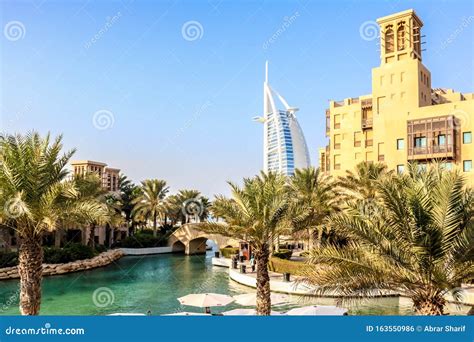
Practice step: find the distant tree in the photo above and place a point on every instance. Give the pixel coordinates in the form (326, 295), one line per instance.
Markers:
(151, 203)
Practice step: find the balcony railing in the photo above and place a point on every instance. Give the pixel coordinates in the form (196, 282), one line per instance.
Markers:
(434, 151)
(337, 146)
(369, 143)
(357, 143)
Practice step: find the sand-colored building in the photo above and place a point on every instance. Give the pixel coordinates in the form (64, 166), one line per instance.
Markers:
(108, 175)
(404, 119)
(110, 182)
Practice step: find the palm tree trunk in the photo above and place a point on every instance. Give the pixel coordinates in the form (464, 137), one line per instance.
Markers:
(57, 237)
(30, 269)
(262, 255)
(433, 306)
(154, 226)
(91, 242)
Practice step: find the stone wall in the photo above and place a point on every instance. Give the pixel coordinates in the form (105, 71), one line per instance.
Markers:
(102, 259)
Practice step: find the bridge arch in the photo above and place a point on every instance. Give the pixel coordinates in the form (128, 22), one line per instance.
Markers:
(194, 240)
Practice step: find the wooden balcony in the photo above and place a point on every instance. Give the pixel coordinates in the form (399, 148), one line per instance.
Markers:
(367, 123)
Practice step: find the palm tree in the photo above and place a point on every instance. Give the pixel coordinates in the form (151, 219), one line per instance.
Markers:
(90, 188)
(151, 203)
(186, 205)
(254, 213)
(312, 198)
(35, 197)
(361, 184)
(128, 192)
(418, 242)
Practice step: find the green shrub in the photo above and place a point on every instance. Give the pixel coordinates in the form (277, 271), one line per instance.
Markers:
(283, 254)
(229, 251)
(286, 266)
(53, 255)
(143, 240)
(100, 249)
(9, 259)
(69, 253)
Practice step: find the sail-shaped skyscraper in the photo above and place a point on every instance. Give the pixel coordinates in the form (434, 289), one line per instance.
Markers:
(284, 145)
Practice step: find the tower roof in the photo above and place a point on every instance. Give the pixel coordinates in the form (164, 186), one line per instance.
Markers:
(402, 14)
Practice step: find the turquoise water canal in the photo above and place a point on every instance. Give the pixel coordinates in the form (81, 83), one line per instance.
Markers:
(152, 283)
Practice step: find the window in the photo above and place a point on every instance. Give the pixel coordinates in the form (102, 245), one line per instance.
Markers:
(421, 167)
(441, 140)
(401, 36)
(357, 139)
(400, 168)
(337, 141)
(467, 137)
(416, 40)
(400, 144)
(337, 121)
(467, 165)
(337, 162)
(447, 166)
(420, 142)
(389, 40)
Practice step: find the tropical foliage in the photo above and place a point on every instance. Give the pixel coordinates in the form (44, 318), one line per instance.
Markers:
(312, 198)
(150, 204)
(417, 239)
(187, 206)
(36, 196)
(253, 213)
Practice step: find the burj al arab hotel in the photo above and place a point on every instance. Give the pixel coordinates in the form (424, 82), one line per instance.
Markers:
(284, 145)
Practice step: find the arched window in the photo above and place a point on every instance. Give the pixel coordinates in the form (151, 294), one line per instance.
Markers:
(401, 36)
(389, 40)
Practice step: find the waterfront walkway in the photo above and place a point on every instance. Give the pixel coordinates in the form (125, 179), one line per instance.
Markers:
(293, 287)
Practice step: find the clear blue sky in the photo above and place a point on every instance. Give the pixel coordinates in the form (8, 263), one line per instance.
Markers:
(182, 108)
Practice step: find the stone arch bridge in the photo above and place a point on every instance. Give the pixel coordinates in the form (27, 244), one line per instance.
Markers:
(190, 240)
